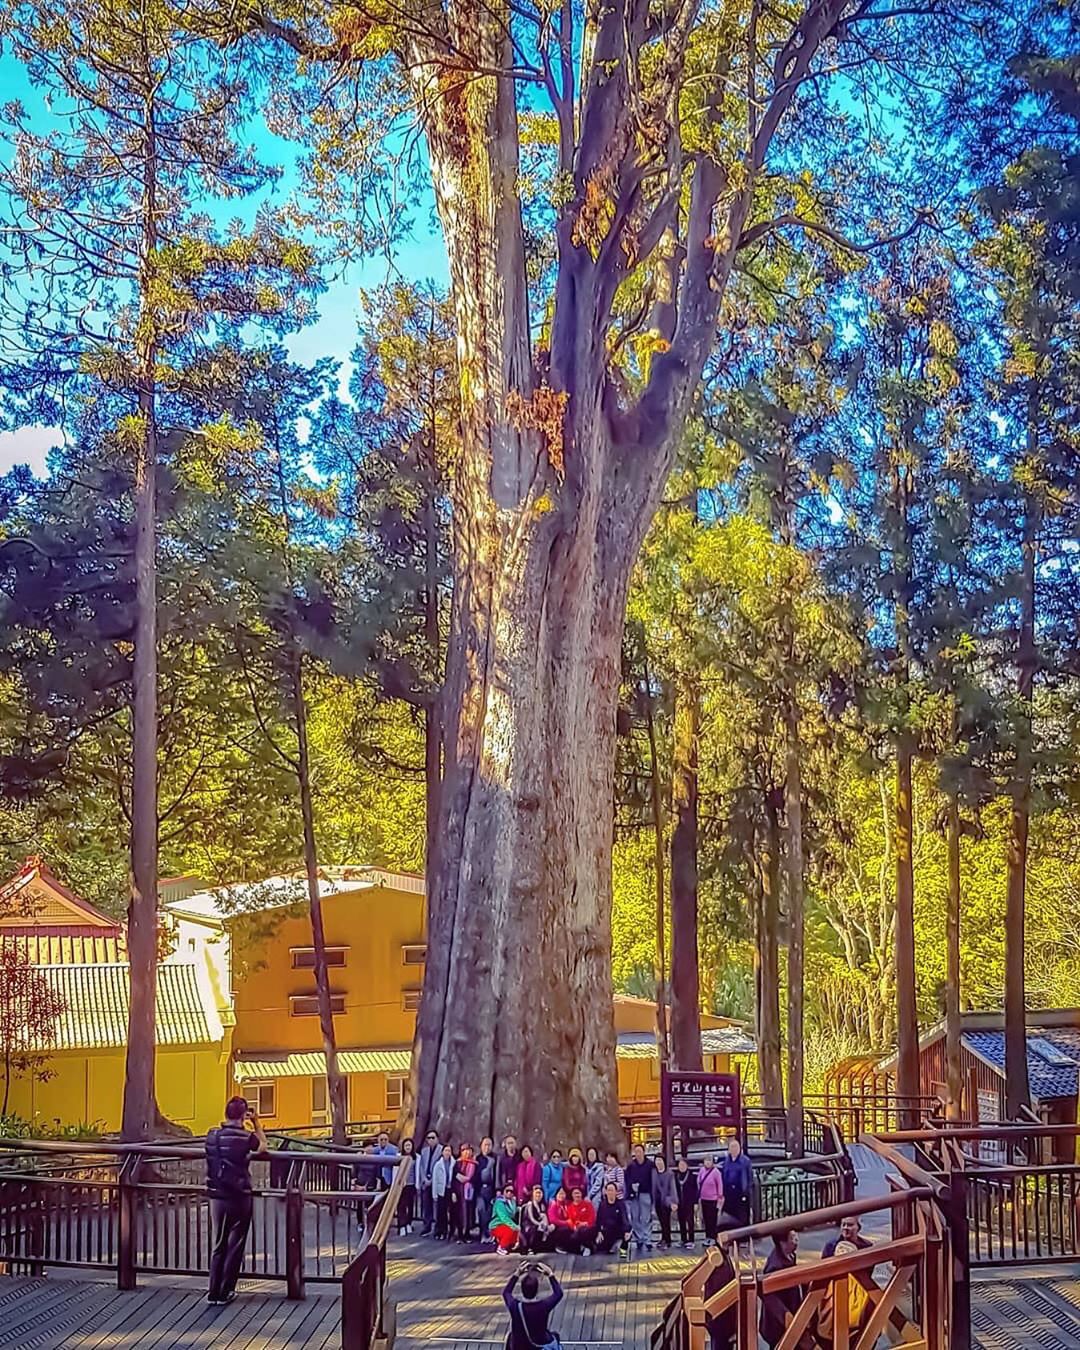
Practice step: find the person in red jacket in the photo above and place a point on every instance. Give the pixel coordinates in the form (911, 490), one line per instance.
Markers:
(582, 1213)
(561, 1235)
(574, 1175)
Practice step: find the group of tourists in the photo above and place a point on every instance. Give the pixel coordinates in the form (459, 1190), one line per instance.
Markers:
(524, 1200)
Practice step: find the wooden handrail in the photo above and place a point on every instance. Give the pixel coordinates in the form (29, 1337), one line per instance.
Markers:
(363, 1285)
(109, 1148)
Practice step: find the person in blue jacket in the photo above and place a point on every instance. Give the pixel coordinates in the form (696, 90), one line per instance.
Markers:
(738, 1178)
(552, 1175)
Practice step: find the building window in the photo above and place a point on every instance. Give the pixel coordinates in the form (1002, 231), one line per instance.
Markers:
(414, 953)
(395, 1091)
(307, 1005)
(303, 958)
(410, 1000)
(262, 1098)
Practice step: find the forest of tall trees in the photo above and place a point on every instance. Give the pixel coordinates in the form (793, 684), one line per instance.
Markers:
(687, 577)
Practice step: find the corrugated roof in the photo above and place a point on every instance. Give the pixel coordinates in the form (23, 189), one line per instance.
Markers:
(281, 891)
(312, 1063)
(714, 1041)
(96, 999)
(1047, 1080)
(66, 946)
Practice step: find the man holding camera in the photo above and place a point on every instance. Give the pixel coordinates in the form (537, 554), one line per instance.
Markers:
(529, 1310)
(229, 1150)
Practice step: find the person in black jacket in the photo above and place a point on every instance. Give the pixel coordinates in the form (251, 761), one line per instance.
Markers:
(778, 1307)
(686, 1197)
(612, 1222)
(229, 1150)
(484, 1179)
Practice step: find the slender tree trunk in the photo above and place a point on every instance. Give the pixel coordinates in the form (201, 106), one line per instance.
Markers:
(796, 919)
(768, 945)
(954, 1073)
(685, 965)
(907, 1018)
(7, 1082)
(433, 738)
(140, 1113)
(659, 875)
(1017, 1088)
(337, 1088)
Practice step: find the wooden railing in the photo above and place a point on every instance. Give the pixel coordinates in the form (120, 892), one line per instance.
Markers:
(135, 1209)
(366, 1311)
(720, 1301)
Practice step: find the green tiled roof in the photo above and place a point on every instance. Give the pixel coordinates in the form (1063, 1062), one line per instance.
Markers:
(96, 1006)
(312, 1063)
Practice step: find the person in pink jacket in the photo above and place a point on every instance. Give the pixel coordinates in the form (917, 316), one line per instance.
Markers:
(711, 1196)
(527, 1175)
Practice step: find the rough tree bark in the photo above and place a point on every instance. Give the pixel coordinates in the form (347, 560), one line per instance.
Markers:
(1017, 1087)
(140, 1113)
(685, 965)
(954, 1070)
(768, 962)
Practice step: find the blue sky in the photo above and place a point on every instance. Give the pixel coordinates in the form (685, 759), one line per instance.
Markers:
(418, 256)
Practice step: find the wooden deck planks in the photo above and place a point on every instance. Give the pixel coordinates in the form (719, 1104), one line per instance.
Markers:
(65, 1314)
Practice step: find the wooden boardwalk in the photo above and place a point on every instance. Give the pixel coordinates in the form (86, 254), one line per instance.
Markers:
(455, 1301)
(451, 1298)
(63, 1314)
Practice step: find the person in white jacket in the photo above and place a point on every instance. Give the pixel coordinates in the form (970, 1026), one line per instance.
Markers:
(442, 1181)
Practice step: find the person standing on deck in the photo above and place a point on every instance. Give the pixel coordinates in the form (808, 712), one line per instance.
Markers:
(425, 1170)
(552, 1175)
(686, 1193)
(595, 1170)
(385, 1149)
(484, 1180)
(665, 1198)
(710, 1185)
(639, 1197)
(738, 1179)
(508, 1162)
(229, 1150)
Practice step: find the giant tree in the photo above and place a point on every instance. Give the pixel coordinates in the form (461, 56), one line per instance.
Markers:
(661, 119)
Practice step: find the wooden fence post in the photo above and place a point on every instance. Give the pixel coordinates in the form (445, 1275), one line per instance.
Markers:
(960, 1322)
(294, 1240)
(128, 1218)
(36, 1230)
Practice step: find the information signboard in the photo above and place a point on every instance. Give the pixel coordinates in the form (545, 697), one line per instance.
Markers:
(701, 1101)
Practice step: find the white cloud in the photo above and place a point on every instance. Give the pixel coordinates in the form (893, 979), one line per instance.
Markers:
(28, 445)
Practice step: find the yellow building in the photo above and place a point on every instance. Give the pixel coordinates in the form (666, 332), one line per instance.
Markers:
(257, 938)
(79, 953)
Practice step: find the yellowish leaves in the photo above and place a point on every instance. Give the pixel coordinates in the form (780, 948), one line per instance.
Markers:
(544, 412)
(597, 211)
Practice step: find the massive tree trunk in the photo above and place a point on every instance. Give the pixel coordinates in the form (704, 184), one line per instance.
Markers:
(685, 966)
(907, 1017)
(770, 1071)
(335, 1079)
(954, 1072)
(1017, 1088)
(140, 1113)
